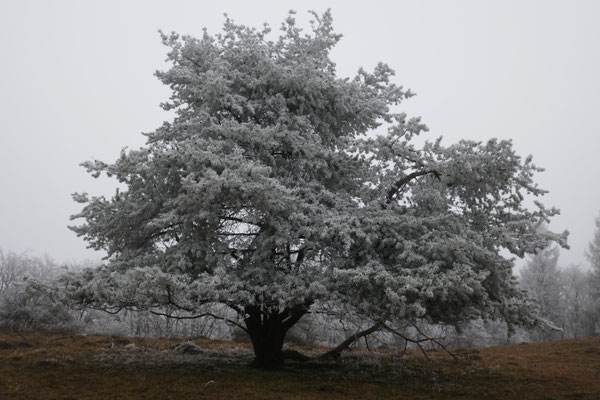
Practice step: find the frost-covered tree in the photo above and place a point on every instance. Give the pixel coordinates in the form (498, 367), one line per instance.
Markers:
(593, 256)
(542, 278)
(13, 268)
(579, 314)
(22, 310)
(271, 194)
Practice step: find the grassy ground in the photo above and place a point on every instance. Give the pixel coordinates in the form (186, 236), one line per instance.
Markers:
(38, 366)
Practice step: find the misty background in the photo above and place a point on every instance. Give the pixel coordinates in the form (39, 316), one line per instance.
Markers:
(77, 83)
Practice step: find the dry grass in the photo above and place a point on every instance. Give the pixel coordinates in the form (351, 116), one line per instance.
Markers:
(95, 367)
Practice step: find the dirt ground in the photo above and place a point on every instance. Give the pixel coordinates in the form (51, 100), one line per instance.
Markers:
(38, 366)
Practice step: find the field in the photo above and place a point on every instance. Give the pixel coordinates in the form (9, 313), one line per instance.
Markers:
(37, 366)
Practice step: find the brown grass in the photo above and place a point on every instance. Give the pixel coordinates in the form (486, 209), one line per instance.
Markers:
(41, 366)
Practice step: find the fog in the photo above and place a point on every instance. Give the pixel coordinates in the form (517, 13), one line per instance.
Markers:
(77, 83)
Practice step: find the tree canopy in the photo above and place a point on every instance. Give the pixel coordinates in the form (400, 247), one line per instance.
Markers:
(280, 189)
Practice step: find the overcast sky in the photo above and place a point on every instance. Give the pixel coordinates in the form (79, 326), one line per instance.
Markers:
(77, 83)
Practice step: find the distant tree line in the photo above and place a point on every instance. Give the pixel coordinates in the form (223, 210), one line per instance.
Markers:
(568, 297)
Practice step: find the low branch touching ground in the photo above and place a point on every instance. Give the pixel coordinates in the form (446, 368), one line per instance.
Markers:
(335, 352)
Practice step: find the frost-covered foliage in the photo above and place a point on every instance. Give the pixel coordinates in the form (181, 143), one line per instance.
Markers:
(542, 278)
(24, 307)
(593, 256)
(580, 307)
(270, 192)
(21, 310)
(15, 267)
(565, 297)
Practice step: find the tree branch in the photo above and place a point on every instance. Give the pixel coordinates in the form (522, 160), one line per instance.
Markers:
(238, 234)
(300, 257)
(206, 314)
(334, 353)
(418, 341)
(399, 184)
(240, 220)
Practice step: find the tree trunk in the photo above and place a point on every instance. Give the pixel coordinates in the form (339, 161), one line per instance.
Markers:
(267, 332)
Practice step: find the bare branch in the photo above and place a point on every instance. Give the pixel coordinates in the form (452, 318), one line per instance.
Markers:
(334, 353)
(418, 341)
(206, 314)
(238, 234)
(399, 184)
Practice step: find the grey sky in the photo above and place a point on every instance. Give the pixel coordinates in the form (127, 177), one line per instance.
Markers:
(77, 83)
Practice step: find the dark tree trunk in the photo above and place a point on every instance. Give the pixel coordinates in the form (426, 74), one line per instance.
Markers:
(267, 332)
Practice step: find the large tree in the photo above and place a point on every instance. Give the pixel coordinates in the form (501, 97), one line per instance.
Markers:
(280, 188)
